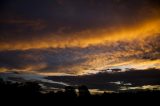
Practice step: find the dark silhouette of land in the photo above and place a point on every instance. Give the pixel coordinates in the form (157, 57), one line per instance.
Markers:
(33, 91)
(11, 90)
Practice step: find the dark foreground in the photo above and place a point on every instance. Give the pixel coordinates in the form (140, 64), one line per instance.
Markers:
(31, 91)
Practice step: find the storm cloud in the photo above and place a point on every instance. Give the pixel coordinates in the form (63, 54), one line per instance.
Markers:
(76, 37)
(60, 23)
(84, 60)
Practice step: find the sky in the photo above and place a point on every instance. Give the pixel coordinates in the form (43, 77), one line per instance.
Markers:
(61, 37)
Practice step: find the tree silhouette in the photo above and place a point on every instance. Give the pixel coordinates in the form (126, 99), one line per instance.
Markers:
(70, 91)
(83, 91)
(9, 90)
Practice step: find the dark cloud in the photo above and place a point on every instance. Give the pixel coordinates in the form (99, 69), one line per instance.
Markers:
(103, 81)
(71, 16)
(34, 60)
(48, 36)
(74, 60)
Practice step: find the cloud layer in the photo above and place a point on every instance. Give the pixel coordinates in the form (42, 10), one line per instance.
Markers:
(91, 59)
(60, 23)
(77, 37)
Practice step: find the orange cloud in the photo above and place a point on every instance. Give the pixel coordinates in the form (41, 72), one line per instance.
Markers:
(87, 37)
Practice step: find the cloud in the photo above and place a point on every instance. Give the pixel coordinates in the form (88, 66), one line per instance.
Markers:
(78, 36)
(92, 59)
(24, 22)
(48, 60)
(59, 24)
(19, 26)
(104, 81)
(79, 39)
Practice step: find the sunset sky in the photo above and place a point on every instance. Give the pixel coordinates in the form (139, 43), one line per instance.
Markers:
(77, 37)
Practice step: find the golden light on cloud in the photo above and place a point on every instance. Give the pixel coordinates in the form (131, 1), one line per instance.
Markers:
(123, 65)
(145, 87)
(3, 69)
(87, 38)
(107, 40)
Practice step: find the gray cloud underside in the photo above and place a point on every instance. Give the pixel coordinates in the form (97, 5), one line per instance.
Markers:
(55, 60)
